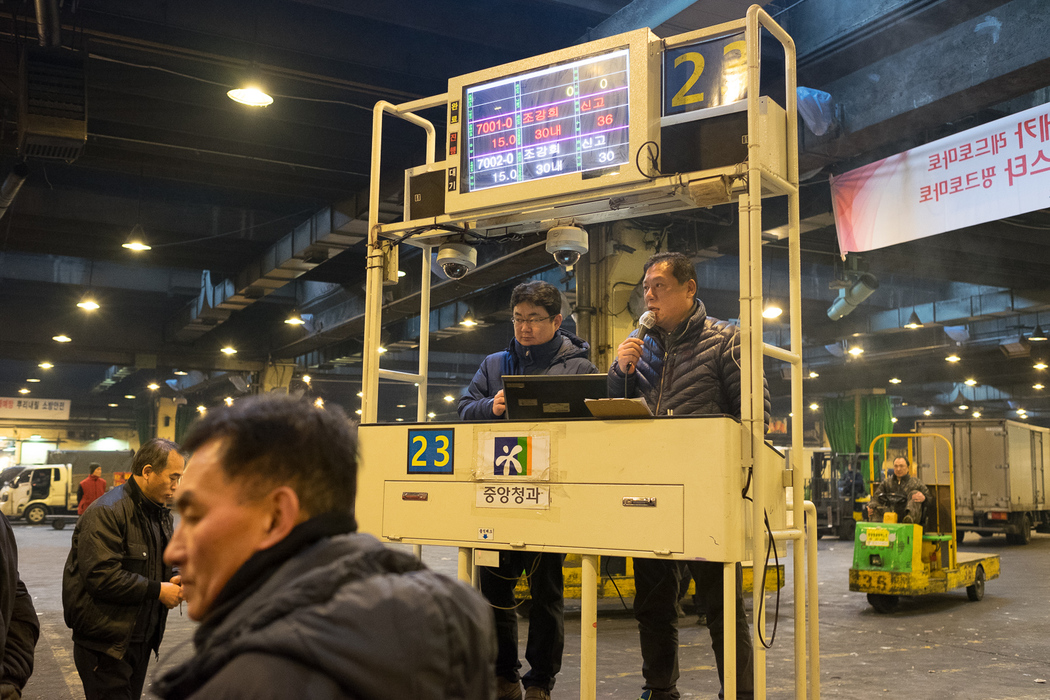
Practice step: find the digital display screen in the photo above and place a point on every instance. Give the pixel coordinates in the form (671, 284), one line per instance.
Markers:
(568, 118)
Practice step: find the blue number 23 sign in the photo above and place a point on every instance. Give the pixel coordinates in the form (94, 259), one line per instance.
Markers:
(430, 451)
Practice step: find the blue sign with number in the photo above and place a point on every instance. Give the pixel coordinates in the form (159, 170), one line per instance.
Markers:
(705, 74)
(431, 451)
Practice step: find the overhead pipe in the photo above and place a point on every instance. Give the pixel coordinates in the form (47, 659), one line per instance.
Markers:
(12, 184)
(48, 25)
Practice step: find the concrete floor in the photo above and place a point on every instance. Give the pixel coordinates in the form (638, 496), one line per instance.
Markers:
(936, 647)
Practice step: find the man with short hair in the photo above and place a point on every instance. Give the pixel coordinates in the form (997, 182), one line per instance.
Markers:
(116, 589)
(540, 346)
(899, 492)
(91, 488)
(292, 601)
(688, 364)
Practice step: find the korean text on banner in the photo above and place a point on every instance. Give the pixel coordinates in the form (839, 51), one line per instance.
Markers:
(983, 174)
(46, 409)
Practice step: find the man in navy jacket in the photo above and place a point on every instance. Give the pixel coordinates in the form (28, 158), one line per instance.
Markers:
(539, 347)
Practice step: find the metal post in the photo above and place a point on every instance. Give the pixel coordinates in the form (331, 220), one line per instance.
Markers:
(589, 628)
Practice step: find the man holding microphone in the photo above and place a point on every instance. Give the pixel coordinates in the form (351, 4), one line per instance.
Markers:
(687, 364)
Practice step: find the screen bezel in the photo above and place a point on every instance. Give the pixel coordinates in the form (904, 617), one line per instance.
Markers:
(643, 99)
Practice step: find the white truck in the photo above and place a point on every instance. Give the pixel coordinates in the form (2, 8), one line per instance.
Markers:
(1001, 476)
(41, 491)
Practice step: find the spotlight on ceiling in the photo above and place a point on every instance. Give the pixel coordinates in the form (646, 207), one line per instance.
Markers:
(137, 240)
(913, 321)
(772, 310)
(87, 304)
(1037, 335)
(849, 299)
(251, 96)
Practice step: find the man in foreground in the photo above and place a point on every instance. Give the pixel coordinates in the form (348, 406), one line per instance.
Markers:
(116, 589)
(540, 346)
(688, 364)
(293, 603)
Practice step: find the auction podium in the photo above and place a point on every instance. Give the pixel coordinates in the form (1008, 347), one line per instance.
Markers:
(669, 487)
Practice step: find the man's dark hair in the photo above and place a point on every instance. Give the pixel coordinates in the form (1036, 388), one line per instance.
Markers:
(154, 451)
(681, 266)
(275, 440)
(93, 466)
(537, 293)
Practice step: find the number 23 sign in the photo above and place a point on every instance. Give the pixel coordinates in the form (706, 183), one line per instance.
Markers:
(705, 74)
(430, 451)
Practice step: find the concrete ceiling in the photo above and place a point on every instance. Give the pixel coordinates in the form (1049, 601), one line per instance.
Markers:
(270, 204)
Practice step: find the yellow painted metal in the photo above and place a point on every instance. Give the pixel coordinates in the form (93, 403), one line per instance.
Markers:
(921, 581)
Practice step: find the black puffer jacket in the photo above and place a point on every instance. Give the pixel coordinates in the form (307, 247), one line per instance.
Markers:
(114, 570)
(694, 370)
(19, 626)
(337, 618)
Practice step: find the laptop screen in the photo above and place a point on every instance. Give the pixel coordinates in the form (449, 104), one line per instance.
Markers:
(552, 397)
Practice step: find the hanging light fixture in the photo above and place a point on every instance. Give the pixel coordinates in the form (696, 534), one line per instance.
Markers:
(87, 304)
(1037, 335)
(913, 321)
(772, 310)
(295, 319)
(137, 240)
(250, 95)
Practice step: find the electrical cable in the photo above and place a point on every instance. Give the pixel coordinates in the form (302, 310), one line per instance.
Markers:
(652, 160)
(762, 596)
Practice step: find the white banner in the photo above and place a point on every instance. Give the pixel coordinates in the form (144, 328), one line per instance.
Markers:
(984, 174)
(47, 409)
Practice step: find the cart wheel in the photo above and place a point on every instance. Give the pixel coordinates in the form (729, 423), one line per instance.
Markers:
(59, 523)
(882, 603)
(976, 591)
(35, 514)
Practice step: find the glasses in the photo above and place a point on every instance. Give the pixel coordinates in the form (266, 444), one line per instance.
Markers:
(529, 322)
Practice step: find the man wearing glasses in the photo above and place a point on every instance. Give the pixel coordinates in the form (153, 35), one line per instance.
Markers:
(540, 346)
(116, 588)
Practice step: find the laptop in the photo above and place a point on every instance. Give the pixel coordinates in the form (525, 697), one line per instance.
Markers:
(552, 397)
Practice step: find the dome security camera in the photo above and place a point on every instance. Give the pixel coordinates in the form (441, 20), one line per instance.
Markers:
(457, 259)
(567, 244)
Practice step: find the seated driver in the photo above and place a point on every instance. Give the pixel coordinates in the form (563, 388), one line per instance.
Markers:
(909, 492)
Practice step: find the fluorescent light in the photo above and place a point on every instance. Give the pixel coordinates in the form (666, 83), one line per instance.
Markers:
(23, 391)
(970, 382)
(33, 380)
(61, 338)
(228, 350)
(180, 373)
(88, 305)
(1040, 365)
(1038, 387)
(45, 365)
(952, 358)
(964, 407)
(856, 351)
(895, 380)
(113, 405)
(251, 96)
(129, 396)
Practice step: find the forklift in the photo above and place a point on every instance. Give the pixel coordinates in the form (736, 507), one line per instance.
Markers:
(892, 559)
(839, 492)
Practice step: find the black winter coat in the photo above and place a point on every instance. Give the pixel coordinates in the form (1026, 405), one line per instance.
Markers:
(114, 570)
(339, 618)
(693, 371)
(19, 625)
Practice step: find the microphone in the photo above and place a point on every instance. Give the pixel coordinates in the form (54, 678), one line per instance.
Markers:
(645, 323)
